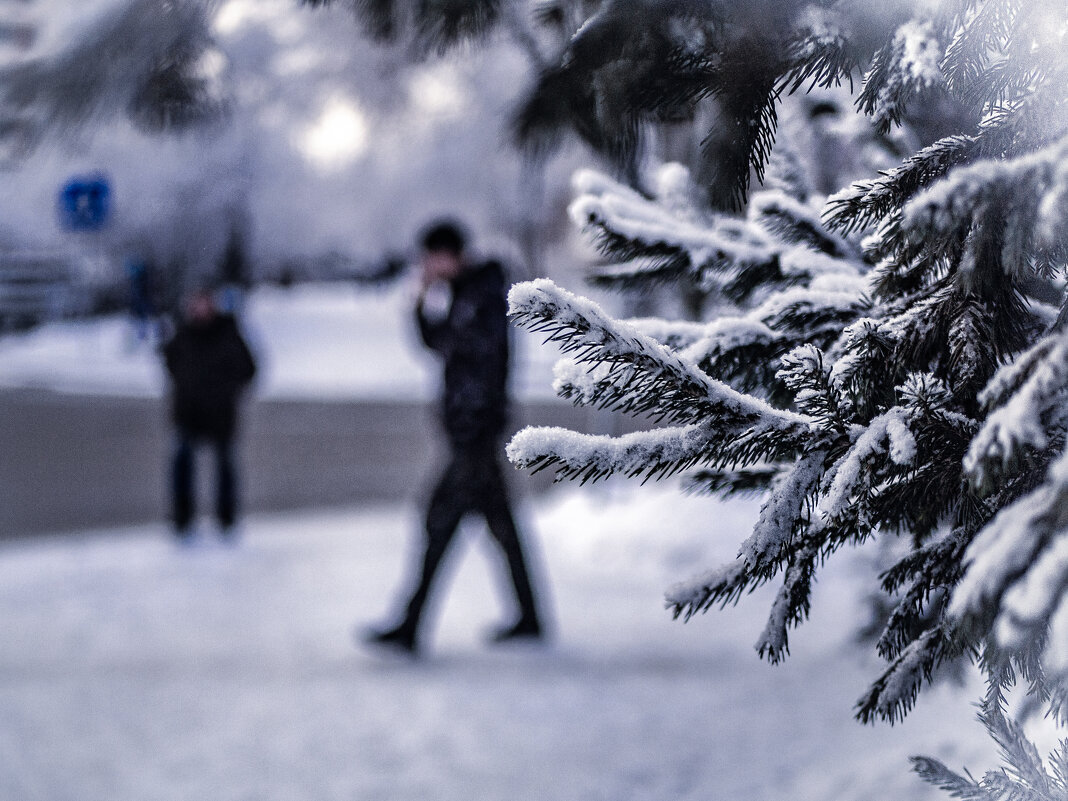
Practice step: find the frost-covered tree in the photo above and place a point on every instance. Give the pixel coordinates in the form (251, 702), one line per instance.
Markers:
(896, 367)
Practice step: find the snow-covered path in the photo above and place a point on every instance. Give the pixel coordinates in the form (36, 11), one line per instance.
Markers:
(132, 670)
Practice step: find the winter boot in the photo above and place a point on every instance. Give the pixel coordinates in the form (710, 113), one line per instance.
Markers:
(525, 629)
(400, 639)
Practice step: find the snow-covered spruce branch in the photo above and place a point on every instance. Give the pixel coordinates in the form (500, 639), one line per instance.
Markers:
(791, 604)
(785, 515)
(657, 381)
(793, 222)
(668, 223)
(749, 347)
(978, 30)
(887, 435)
(906, 66)
(819, 52)
(921, 575)
(1025, 391)
(833, 301)
(588, 457)
(813, 509)
(669, 235)
(893, 694)
(742, 351)
(726, 334)
(675, 334)
(1036, 604)
(760, 556)
(867, 202)
(1017, 570)
(1038, 180)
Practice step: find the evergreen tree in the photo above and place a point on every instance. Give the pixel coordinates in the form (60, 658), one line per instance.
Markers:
(896, 367)
(898, 372)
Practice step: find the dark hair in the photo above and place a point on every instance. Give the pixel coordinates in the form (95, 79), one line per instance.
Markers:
(444, 235)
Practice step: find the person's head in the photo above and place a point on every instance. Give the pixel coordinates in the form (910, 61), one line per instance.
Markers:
(443, 244)
(200, 307)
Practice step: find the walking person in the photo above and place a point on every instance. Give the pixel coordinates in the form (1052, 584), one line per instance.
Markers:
(462, 316)
(210, 366)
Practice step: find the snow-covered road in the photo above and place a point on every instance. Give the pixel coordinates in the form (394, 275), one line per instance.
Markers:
(132, 669)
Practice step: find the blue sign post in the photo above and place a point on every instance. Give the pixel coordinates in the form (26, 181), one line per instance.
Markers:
(85, 203)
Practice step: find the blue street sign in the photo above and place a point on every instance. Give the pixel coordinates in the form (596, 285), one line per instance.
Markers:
(85, 203)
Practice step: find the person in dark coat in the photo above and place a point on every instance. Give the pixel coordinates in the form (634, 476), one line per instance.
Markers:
(462, 316)
(210, 366)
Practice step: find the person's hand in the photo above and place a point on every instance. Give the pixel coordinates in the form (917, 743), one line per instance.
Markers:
(426, 279)
(435, 299)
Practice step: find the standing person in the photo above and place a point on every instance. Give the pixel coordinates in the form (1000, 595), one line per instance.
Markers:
(142, 309)
(210, 366)
(462, 315)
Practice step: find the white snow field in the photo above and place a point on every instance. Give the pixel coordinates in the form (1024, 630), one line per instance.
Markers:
(133, 669)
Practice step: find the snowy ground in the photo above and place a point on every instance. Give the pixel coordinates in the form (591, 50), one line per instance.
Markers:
(133, 669)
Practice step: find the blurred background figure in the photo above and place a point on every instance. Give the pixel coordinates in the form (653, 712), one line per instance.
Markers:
(139, 272)
(210, 365)
(234, 271)
(462, 316)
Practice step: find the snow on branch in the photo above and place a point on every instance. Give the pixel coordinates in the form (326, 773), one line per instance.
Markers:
(908, 65)
(759, 556)
(1017, 573)
(894, 693)
(726, 334)
(820, 53)
(866, 202)
(793, 221)
(1029, 389)
(1039, 177)
(781, 243)
(1030, 603)
(1007, 548)
(830, 299)
(651, 377)
(675, 334)
(887, 434)
(587, 457)
(622, 212)
(791, 605)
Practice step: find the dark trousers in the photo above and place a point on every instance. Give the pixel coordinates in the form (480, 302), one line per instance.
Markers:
(183, 478)
(472, 482)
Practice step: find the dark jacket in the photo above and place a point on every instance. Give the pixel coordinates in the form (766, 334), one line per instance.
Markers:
(473, 342)
(209, 365)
